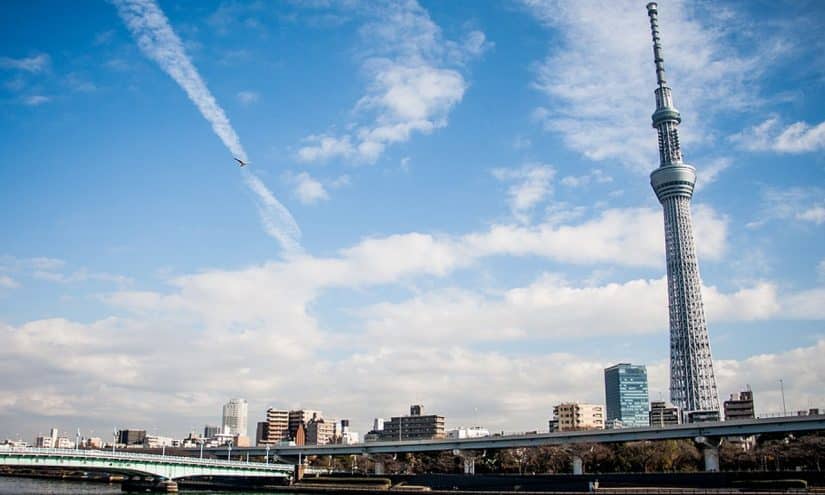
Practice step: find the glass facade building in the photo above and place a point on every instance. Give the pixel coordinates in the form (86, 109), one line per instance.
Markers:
(625, 390)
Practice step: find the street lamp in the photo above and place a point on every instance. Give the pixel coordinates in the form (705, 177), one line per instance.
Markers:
(114, 440)
(202, 441)
(267, 453)
(229, 452)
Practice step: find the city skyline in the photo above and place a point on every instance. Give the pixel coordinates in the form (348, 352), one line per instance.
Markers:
(446, 203)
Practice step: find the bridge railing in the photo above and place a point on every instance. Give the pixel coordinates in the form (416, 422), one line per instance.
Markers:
(119, 455)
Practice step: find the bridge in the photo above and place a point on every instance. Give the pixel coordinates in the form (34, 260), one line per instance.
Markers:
(147, 465)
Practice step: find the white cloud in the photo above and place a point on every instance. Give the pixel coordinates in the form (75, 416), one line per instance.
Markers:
(413, 84)
(804, 204)
(599, 76)
(308, 190)
(248, 97)
(36, 100)
(815, 214)
(532, 186)
(7, 282)
(158, 41)
(799, 137)
(35, 64)
(596, 176)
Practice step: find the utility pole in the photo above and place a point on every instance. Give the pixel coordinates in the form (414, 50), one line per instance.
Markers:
(782, 391)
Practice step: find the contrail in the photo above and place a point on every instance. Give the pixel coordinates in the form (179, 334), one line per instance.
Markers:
(158, 41)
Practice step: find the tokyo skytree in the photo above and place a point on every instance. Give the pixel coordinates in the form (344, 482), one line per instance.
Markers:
(692, 382)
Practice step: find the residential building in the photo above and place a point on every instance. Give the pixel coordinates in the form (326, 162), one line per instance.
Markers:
(662, 415)
(131, 437)
(626, 399)
(262, 433)
(616, 424)
(45, 442)
(64, 443)
(156, 442)
(235, 414)
(94, 443)
(577, 416)
(740, 406)
(416, 426)
(471, 432)
(278, 429)
(553, 425)
(300, 417)
(320, 431)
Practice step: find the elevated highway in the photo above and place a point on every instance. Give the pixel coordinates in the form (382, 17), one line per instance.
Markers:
(721, 429)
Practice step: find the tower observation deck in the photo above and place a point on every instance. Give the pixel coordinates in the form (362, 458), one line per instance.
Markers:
(692, 382)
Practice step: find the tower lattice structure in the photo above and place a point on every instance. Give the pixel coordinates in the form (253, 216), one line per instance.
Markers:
(692, 381)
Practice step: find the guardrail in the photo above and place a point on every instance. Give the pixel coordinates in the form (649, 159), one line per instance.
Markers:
(170, 459)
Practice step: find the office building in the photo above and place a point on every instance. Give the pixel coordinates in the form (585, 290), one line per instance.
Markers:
(300, 417)
(692, 380)
(577, 416)
(740, 406)
(278, 429)
(626, 399)
(662, 415)
(131, 437)
(235, 414)
(416, 426)
(262, 433)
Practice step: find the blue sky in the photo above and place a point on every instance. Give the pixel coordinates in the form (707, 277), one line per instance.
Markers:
(447, 203)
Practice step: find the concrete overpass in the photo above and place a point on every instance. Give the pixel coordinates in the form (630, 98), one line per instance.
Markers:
(708, 435)
(721, 429)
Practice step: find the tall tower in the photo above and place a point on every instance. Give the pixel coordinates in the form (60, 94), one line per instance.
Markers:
(692, 382)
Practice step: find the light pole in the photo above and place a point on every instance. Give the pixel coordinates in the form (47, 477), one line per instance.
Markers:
(202, 448)
(229, 452)
(163, 450)
(267, 453)
(782, 390)
(114, 440)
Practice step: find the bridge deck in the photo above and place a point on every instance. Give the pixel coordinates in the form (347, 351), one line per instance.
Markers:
(163, 466)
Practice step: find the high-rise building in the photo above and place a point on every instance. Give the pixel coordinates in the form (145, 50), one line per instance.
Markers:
(300, 417)
(320, 431)
(661, 415)
(416, 426)
(278, 429)
(131, 437)
(211, 431)
(235, 414)
(740, 406)
(576, 416)
(262, 433)
(625, 392)
(692, 382)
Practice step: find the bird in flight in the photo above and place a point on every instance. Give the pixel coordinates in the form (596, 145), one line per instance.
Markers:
(241, 162)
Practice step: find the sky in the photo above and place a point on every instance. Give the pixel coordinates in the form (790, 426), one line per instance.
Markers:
(446, 203)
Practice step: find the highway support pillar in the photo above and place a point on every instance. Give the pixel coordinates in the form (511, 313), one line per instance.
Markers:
(578, 465)
(710, 452)
(298, 474)
(469, 460)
